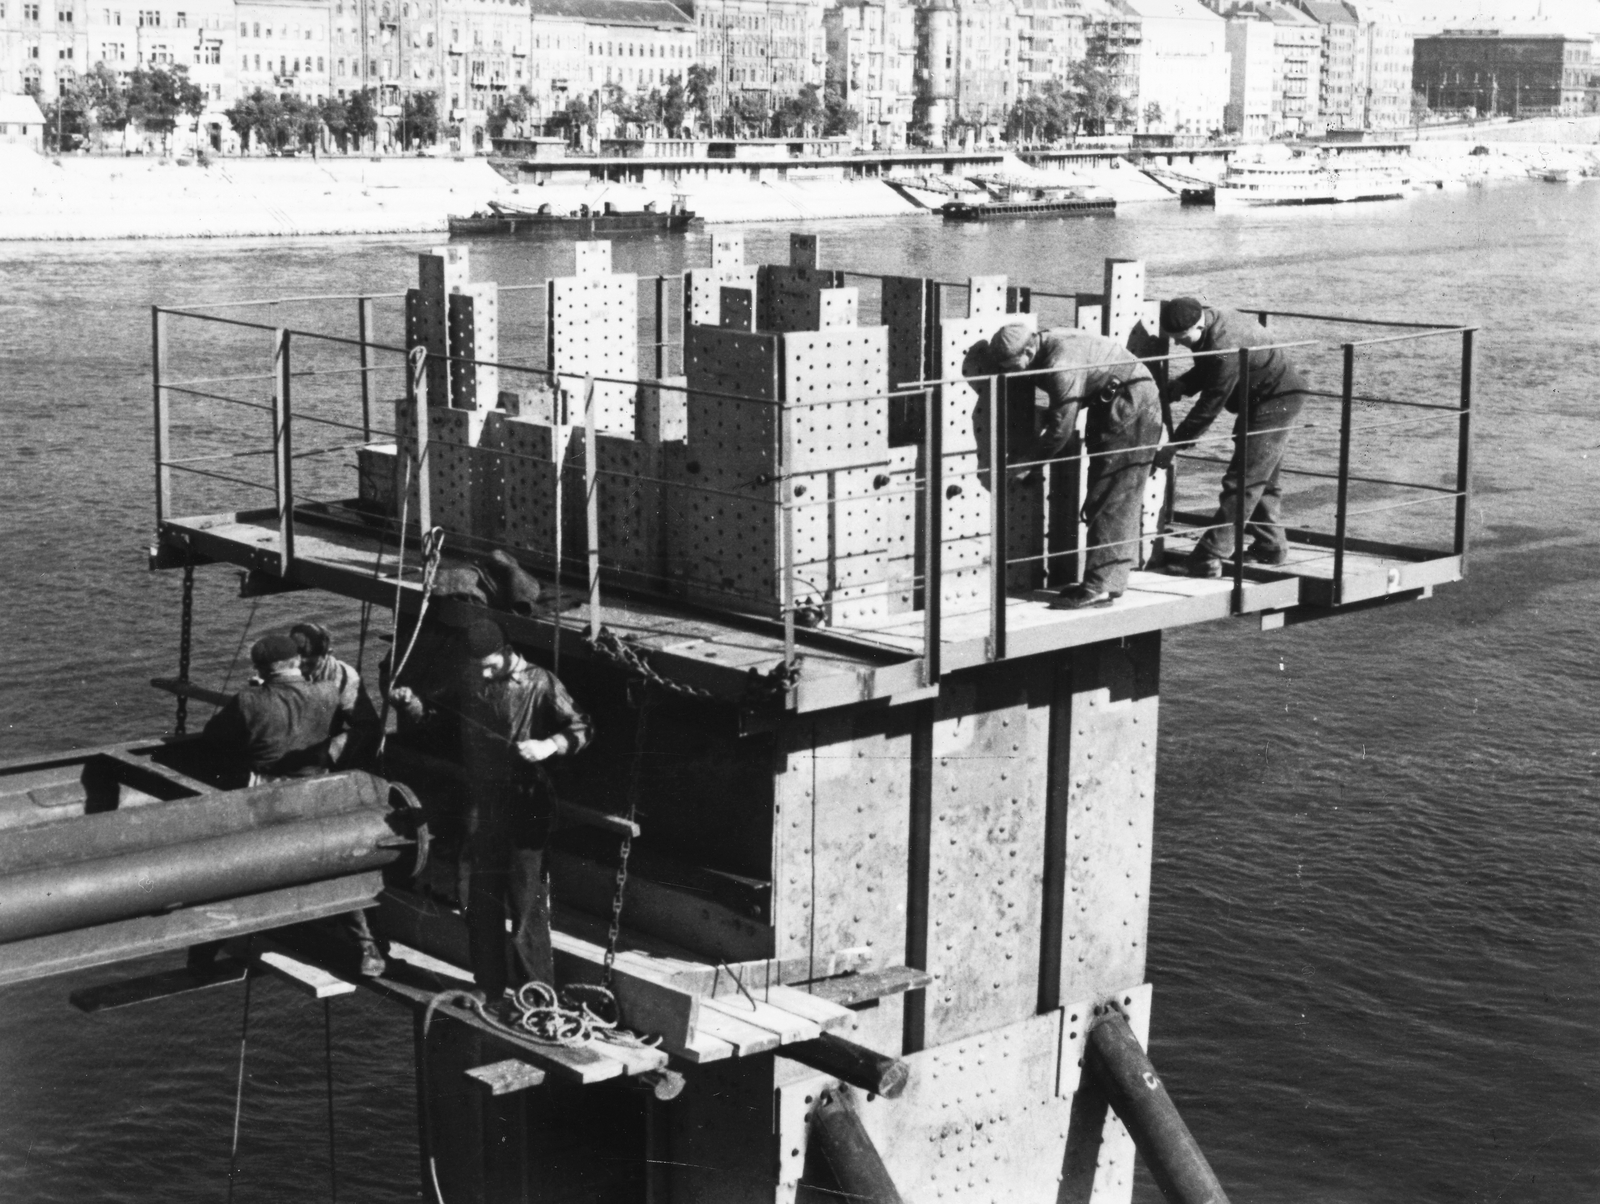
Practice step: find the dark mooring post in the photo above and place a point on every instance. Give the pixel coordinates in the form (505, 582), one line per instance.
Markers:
(1122, 1071)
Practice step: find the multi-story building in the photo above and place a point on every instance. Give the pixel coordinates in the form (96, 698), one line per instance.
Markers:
(1251, 49)
(577, 49)
(485, 51)
(40, 42)
(1183, 66)
(1049, 41)
(390, 46)
(1297, 65)
(774, 47)
(1383, 65)
(1336, 75)
(1493, 70)
(872, 49)
(986, 61)
(1114, 36)
(284, 47)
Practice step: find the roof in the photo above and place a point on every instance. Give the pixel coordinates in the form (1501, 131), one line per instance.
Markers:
(1191, 10)
(611, 12)
(1512, 17)
(19, 110)
(1282, 14)
(1327, 12)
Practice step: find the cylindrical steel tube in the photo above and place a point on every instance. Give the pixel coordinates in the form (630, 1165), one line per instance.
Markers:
(855, 1064)
(82, 893)
(161, 825)
(1120, 1068)
(855, 1162)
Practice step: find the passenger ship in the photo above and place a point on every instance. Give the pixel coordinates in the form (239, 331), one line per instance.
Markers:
(1307, 182)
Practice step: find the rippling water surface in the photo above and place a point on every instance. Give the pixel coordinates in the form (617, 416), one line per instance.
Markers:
(1375, 941)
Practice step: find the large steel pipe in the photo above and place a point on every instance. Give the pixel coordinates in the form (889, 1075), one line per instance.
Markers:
(157, 825)
(1121, 1070)
(79, 894)
(848, 1150)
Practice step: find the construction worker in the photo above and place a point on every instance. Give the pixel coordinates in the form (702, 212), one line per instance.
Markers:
(317, 663)
(513, 717)
(1277, 391)
(1123, 428)
(284, 726)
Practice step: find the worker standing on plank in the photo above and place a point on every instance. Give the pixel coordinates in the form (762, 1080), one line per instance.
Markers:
(514, 716)
(1277, 391)
(317, 663)
(1124, 425)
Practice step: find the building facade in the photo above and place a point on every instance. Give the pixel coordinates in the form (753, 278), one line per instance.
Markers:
(285, 47)
(1336, 74)
(1183, 66)
(1296, 70)
(1050, 41)
(1489, 71)
(42, 41)
(1383, 65)
(872, 50)
(1251, 51)
(485, 57)
(1114, 35)
(772, 47)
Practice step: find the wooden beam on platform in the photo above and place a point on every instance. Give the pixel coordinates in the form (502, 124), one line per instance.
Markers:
(147, 988)
(507, 1076)
(850, 989)
(304, 975)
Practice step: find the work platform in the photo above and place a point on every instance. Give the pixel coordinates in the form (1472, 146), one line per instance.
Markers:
(853, 780)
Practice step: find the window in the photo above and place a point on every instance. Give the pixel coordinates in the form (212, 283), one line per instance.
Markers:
(30, 12)
(63, 16)
(258, 62)
(319, 63)
(65, 53)
(33, 51)
(182, 20)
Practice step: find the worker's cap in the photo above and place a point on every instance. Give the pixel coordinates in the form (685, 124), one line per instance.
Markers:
(313, 639)
(270, 649)
(1008, 345)
(484, 637)
(1180, 314)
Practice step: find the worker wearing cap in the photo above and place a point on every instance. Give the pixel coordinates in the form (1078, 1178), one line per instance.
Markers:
(284, 726)
(1277, 391)
(1078, 369)
(514, 716)
(317, 663)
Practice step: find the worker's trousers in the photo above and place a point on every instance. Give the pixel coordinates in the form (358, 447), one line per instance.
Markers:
(1258, 465)
(1120, 438)
(507, 875)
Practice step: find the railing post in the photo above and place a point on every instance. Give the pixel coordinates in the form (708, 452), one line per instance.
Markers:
(364, 332)
(417, 398)
(283, 449)
(1339, 519)
(1243, 491)
(158, 371)
(591, 495)
(1464, 449)
(661, 327)
(933, 528)
(786, 527)
(999, 477)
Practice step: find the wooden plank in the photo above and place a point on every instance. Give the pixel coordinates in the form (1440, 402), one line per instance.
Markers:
(507, 1076)
(701, 1047)
(314, 980)
(787, 1025)
(150, 987)
(826, 1014)
(851, 989)
(648, 1004)
(433, 965)
(124, 940)
(746, 1038)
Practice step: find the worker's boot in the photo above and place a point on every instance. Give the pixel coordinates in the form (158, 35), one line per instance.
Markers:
(1202, 563)
(1082, 597)
(1260, 553)
(372, 963)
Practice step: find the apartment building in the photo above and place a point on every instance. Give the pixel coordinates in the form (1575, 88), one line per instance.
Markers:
(1336, 68)
(284, 46)
(775, 47)
(1050, 40)
(872, 49)
(1296, 69)
(1252, 54)
(1384, 48)
(1488, 69)
(1183, 67)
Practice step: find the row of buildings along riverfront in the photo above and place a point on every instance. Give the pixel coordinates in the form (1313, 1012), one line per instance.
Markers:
(1256, 68)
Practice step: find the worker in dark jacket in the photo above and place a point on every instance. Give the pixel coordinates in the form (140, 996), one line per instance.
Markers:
(514, 716)
(1123, 428)
(286, 726)
(317, 663)
(1277, 391)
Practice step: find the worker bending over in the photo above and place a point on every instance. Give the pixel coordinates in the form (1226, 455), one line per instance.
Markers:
(514, 716)
(1123, 428)
(1277, 391)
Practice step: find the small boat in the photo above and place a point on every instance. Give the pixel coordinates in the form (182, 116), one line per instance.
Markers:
(1306, 181)
(587, 222)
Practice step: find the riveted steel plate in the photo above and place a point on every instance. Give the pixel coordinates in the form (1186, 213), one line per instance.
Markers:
(727, 249)
(1124, 299)
(838, 307)
(663, 414)
(789, 298)
(452, 437)
(738, 309)
(592, 258)
(986, 297)
(474, 331)
(592, 327)
(628, 495)
(702, 290)
(847, 363)
(733, 390)
(803, 250)
(991, 737)
(963, 349)
(534, 455)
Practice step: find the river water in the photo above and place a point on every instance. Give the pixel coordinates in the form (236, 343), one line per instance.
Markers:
(1375, 942)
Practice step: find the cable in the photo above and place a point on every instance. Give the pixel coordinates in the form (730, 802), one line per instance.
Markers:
(238, 1091)
(327, 1050)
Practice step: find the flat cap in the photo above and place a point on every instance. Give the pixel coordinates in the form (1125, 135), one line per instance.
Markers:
(1180, 313)
(313, 639)
(484, 636)
(270, 649)
(1008, 343)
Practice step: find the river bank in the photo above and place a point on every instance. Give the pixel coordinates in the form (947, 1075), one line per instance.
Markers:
(79, 198)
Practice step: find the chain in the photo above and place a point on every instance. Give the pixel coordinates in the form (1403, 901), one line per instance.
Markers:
(639, 735)
(608, 645)
(185, 646)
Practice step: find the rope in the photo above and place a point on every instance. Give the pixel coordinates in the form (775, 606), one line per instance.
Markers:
(327, 1050)
(243, 636)
(238, 1091)
(185, 646)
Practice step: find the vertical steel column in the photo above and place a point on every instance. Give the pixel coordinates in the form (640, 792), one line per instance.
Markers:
(591, 506)
(661, 327)
(158, 371)
(1243, 490)
(999, 420)
(786, 527)
(1346, 398)
(1464, 449)
(933, 526)
(417, 396)
(282, 449)
(364, 332)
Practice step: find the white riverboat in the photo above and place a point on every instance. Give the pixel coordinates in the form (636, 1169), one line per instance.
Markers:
(1306, 181)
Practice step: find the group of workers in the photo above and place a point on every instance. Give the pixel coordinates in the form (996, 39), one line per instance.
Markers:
(1124, 426)
(307, 713)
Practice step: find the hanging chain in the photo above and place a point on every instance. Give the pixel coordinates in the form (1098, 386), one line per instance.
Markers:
(639, 738)
(185, 646)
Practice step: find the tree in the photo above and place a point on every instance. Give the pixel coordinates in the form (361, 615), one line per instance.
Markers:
(159, 96)
(361, 117)
(509, 111)
(1420, 111)
(803, 112)
(1101, 103)
(838, 117)
(244, 115)
(700, 91)
(1152, 115)
(334, 113)
(1049, 113)
(576, 117)
(674, 105)
(750, 113)
(419, 119)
